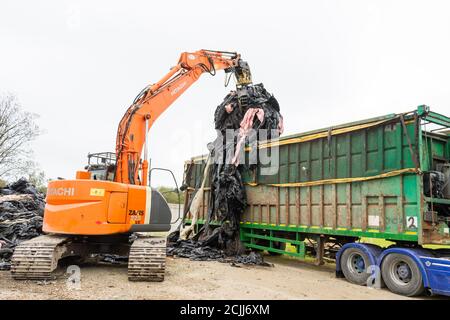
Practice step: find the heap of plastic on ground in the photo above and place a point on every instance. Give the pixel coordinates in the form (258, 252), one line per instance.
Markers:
(259, 110)
(21, 212)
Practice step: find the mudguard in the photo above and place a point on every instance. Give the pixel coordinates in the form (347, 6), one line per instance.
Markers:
(435, 270)
(372, 251)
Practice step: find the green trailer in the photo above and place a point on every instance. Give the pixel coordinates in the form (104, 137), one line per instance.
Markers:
(336, 190)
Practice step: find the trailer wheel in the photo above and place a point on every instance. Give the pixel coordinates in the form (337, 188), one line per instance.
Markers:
(402, 275)
(354, 263)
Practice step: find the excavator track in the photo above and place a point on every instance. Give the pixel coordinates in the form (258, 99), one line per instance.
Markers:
(147, 259)
(37, 258)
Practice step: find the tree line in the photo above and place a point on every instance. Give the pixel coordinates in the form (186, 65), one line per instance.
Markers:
(18, 128)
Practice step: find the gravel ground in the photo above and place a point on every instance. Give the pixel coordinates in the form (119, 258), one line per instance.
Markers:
(185, 279)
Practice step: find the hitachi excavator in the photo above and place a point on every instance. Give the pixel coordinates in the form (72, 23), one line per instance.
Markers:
(109, 207)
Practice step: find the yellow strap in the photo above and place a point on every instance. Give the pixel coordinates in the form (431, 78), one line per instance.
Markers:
(310, 137)
(340, 180)
(323, 134)
(317, 135)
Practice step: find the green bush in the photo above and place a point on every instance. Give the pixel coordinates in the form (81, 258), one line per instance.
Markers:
(37, 178)
(170, 194)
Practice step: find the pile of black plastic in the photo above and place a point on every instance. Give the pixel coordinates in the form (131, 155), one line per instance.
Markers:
(251, 107)
(197, 251)
(21, 212)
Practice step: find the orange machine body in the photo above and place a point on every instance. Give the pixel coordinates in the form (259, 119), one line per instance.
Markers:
(93, 207)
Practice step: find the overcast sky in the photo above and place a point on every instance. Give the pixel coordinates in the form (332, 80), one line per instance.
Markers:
(79, 64)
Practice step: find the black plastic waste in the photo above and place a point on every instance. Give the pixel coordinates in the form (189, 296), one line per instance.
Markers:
(228, 198)
(21, 212)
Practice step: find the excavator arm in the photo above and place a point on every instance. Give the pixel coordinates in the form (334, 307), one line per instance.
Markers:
(133, 129)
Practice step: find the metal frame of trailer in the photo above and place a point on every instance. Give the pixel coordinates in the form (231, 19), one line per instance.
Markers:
(358, 180)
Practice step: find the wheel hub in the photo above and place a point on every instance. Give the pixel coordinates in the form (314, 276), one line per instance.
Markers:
(401, 273)
(357, 263)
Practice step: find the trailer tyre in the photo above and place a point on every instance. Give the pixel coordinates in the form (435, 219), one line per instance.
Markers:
(354, 263)
(402, 275)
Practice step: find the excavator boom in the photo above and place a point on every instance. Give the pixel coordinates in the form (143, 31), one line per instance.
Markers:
(154, 100)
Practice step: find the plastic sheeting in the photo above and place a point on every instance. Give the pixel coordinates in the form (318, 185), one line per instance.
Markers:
(248, 108)
(21, 211)
(198, 251)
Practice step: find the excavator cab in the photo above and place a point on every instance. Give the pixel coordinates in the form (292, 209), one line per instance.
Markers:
(102, 166)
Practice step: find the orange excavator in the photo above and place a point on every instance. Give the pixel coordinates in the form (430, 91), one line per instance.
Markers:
(109, 208)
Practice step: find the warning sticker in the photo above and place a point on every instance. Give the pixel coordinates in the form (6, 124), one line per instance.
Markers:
(411, 222)
(374, 221)
(97, 192)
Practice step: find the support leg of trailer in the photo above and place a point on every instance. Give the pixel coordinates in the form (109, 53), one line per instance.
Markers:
(320, 248)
